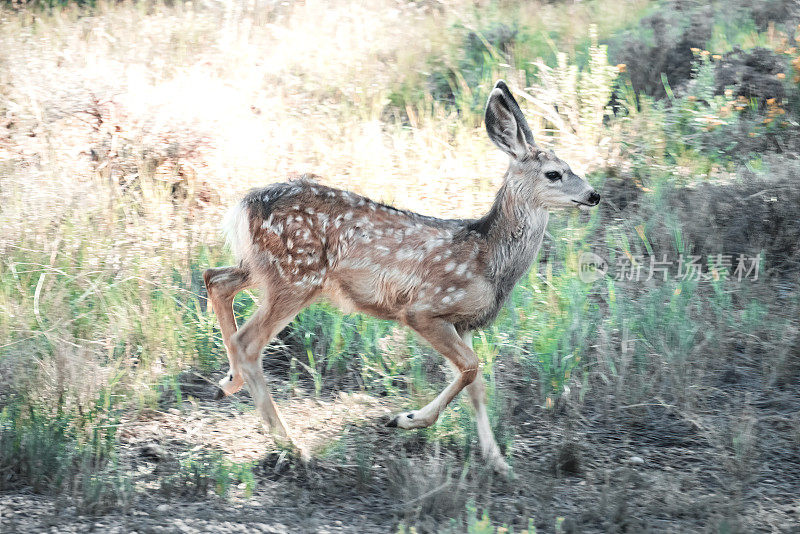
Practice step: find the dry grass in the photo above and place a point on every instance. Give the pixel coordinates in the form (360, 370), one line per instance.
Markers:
(127, 131)
(233, 100)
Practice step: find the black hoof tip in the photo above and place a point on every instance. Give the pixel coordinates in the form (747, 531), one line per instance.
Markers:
(392, 422)
(410, 416)
(219, 394)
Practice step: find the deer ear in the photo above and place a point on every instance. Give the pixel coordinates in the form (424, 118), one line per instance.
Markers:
(502, 126)
(514, 107)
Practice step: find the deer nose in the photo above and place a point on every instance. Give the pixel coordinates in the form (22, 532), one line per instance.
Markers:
(594, 198)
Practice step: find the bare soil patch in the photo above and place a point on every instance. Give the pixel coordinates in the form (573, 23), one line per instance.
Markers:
(731, 464)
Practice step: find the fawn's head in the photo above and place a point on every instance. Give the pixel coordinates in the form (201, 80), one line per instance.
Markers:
(535, 175)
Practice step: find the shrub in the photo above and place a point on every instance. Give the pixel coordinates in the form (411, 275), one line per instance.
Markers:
(51, 455)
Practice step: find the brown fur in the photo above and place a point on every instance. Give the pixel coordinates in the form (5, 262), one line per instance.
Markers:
(365, 256)
(301, 241)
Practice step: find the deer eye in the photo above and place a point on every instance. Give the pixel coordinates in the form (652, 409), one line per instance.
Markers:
(553, 175)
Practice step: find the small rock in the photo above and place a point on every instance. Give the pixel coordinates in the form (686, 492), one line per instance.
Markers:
(163, 508)
(636, 460)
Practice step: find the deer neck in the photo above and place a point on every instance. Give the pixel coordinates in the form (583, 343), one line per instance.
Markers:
(515, 229)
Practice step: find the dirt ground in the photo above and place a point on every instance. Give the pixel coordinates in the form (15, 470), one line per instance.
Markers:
(732, 465)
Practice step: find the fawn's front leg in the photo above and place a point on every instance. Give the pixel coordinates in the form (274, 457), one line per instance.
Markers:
(477, 394)
(444, 338)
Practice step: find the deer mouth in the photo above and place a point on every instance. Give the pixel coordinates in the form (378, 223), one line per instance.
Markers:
(584, 205)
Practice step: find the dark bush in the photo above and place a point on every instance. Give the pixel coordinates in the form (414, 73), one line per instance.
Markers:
(669, 52)
(663, 42)
(751, 74)
(757, 214)
(766, 11)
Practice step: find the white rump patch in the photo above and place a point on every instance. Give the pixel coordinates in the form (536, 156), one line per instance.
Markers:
(236, 227)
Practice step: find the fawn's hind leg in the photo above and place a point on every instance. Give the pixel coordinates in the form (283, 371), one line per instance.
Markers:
(222, 285)
(279, 307)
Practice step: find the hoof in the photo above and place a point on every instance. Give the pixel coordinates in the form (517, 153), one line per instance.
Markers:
(500, 467)
(229, 385)
(406, 420)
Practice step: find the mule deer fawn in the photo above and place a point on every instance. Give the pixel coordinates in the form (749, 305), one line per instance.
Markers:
(300, 241)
